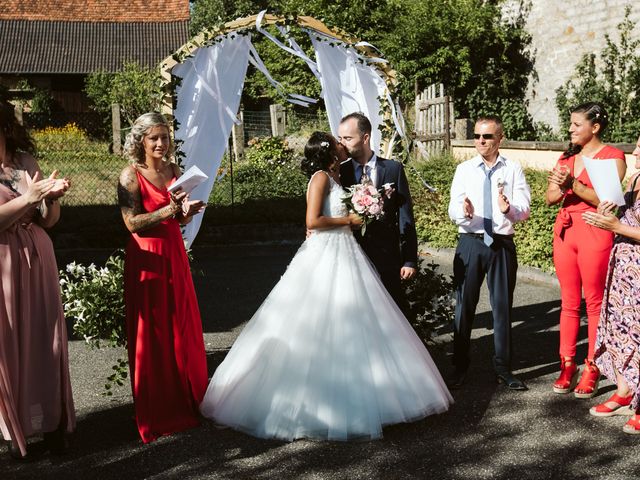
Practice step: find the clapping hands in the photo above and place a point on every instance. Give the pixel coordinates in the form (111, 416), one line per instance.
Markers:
(467, 207)
(50, 188)
(503, 201)
(560, 176)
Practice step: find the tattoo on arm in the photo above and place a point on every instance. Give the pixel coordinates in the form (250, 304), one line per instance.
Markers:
(130, 203)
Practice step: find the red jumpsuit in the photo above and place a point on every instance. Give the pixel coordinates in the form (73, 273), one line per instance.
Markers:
(581, 256)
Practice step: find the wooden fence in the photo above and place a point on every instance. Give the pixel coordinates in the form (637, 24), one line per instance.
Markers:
(434, 120)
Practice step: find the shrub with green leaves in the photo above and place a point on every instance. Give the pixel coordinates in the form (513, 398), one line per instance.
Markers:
(93, 298)
(430, 295)
(135, 88)
(270, 171)
(534, 237)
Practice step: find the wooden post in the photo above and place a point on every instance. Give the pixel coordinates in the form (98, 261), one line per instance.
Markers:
(237, 136)
(18, 110)
(115, 129)
(447, 124)
(463, 129)
(277, 120)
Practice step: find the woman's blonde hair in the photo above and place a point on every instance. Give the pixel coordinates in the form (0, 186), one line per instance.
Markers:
(133, 148)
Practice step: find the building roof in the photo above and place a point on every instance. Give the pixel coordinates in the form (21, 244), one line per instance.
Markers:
(54, 47)
(96, 10)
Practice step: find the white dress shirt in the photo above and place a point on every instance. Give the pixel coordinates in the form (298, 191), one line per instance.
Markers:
(468, 181)
(370, 165)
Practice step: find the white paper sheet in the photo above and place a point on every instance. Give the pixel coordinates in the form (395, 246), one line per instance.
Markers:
(604, 177)
(189, 180)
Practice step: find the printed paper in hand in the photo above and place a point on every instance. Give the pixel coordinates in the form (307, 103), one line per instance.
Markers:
(605, 179)
(189, 180)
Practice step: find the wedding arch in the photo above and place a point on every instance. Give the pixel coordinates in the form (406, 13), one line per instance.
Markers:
(203, 82)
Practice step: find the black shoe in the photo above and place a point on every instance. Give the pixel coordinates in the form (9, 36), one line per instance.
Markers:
(456, 379)
(34, 451)
(512, 382)
(56, 442)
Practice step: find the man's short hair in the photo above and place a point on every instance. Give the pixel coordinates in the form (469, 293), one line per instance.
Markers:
(491, 118)
(364, 125)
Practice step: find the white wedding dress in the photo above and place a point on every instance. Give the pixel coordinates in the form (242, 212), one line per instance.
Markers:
(328, 355)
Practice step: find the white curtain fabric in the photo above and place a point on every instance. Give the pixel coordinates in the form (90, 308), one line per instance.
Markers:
(210, 92)
(208, 100)
(348, 84)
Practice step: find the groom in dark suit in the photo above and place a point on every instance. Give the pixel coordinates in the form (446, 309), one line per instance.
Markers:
(390, 243)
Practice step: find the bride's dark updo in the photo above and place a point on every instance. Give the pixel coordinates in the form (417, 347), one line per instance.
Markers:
(319, 153)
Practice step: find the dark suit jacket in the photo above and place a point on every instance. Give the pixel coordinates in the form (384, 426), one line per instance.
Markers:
(390, 242)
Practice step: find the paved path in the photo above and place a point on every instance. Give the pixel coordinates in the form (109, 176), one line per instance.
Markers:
(489, 433)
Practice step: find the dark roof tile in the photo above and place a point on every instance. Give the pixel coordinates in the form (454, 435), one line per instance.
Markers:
(32, 47)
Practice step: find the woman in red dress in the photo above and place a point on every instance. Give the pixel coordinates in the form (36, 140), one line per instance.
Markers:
(167, 359)
(580, 251)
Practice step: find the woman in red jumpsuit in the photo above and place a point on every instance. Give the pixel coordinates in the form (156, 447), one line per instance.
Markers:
(580, 251)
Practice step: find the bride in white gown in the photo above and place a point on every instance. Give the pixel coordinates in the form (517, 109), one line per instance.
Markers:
(328, 355)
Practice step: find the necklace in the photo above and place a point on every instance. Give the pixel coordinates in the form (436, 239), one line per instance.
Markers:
(158, 170)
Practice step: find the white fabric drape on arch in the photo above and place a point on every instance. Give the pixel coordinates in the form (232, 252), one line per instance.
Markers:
(208, 99)
(348, 85)
(210, 92)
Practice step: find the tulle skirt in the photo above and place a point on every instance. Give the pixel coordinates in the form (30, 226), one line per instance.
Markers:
(328, 355)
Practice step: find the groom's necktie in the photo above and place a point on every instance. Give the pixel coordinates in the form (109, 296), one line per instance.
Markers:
(363, 174)
(487, 213)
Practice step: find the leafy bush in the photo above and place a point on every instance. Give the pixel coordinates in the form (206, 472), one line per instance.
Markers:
(269, 171)
(431, 208)
(430, 295)
(94, 298)
(135, 88)
(534, 237)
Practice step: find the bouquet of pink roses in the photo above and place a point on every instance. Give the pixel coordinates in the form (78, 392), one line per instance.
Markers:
(366, 201)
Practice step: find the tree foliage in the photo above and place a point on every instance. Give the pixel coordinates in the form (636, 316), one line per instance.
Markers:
(134, 88)
(613, 81)
(468, 45)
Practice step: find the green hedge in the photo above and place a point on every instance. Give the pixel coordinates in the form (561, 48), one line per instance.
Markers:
(534, 238)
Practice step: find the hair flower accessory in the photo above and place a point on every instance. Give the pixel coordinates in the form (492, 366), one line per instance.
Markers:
(324, 144)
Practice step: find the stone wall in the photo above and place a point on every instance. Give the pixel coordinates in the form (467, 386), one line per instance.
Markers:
(536, 155)
(562, 32)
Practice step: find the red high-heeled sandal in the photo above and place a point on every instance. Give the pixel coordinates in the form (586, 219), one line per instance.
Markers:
(632, 426)
(588, 385)
(621, 408)
(568, 376)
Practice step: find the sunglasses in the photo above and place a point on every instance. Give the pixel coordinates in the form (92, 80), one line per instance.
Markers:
(486, 136)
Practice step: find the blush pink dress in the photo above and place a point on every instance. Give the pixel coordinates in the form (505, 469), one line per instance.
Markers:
(35, 390)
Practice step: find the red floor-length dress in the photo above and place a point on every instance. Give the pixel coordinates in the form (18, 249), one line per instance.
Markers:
(167, 359)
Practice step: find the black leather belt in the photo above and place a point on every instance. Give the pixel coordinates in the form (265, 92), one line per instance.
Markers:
(481, 235)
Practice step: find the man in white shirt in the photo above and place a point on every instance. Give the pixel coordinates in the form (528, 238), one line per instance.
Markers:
(489, 194)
